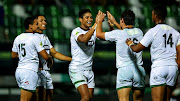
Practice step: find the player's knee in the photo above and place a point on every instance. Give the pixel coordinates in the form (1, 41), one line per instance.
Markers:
(86, 98)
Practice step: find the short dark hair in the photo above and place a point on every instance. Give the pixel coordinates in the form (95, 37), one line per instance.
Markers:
(160, 11)
(36, 16)
(28, 21)
(128, 17)
(82, 12)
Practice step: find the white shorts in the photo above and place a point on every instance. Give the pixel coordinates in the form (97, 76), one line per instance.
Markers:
(45, 79)
(130, 77)
(80, 77)
(163, 75)
(26, 79)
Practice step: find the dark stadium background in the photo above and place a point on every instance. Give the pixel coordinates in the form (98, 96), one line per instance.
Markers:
(62, 17)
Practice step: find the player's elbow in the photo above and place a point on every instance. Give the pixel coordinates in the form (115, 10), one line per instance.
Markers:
(99, 35)
(83, 40)
(14, 55)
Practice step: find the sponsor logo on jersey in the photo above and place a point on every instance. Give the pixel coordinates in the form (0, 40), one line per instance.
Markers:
(41, 44)
(77, 33)
(27, 83)
(90, 43)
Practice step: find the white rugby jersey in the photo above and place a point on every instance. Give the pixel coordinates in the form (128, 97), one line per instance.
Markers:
(124, 55)
(27, 45)
(163, 40)
(47, 46)
(82, 53)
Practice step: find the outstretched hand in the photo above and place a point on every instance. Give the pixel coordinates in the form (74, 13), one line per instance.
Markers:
(50, 62)
(110, 23)
(100, 17)
(111, 17)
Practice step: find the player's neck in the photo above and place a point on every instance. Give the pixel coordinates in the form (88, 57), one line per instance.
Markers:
(84, 28)
(29, 30)
(159, 22)
(127, 26)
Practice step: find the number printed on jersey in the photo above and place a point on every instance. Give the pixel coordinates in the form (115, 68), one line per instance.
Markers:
(135, 40)
(22, 49)
(90, 43)
(168, 40)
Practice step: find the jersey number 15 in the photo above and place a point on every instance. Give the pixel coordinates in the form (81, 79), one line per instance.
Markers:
(22, 49)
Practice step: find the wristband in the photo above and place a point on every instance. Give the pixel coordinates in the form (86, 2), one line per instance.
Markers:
(131, 44)
(95, 26)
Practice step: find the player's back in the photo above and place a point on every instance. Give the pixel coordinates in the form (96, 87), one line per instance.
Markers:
(124, 55)
(163, 47)
(27, 46)
(129, 57)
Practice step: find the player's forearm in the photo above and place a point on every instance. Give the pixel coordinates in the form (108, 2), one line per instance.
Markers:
(117, 25)
(88, 35)
(178, 63)
(99, 31)
(178, 60)
(62, 57)
(178, 56)
(135, 48)
(14, 55)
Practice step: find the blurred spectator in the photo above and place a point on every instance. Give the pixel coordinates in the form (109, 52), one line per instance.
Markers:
(3, 35)
(19, 10)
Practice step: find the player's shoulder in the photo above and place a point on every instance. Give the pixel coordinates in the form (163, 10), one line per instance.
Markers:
(23, 35)
(40, 35)
(36, 36)
(76, 30)
(116, 31)
(139, 30)
(174, 30)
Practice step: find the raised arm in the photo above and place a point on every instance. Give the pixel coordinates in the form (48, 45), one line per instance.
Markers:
(112, 20)
(85, 38)
(136, 48)
(99, 19)
(59, 56)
